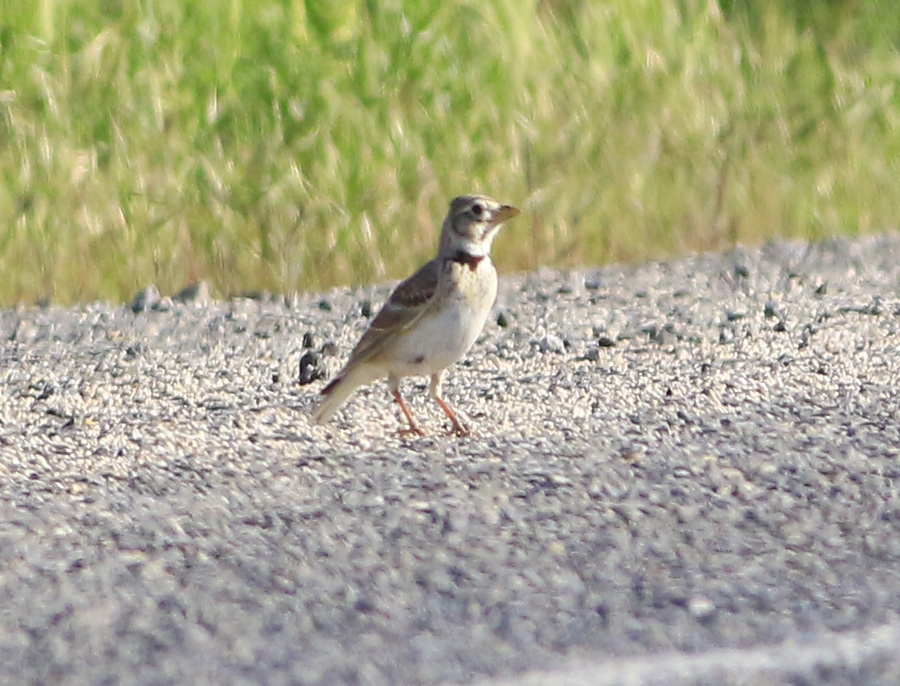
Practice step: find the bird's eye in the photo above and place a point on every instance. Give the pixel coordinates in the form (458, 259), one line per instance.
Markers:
(477, 209)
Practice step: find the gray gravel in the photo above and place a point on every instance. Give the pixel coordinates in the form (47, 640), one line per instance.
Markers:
(684, 472)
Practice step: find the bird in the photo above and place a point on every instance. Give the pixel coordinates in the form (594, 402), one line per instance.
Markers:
(432, 318)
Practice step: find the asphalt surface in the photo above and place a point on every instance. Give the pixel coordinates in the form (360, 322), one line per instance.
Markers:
(683, 472)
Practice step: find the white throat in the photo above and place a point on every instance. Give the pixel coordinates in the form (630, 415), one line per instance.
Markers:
(469, 246)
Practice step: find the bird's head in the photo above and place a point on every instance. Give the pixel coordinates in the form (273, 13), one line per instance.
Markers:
(472, 224)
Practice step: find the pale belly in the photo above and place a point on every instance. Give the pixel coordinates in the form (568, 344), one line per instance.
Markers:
(439, 339)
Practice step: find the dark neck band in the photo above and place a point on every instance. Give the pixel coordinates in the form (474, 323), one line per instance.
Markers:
(468, 259)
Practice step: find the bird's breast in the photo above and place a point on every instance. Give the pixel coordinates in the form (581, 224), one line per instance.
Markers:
(464, 300)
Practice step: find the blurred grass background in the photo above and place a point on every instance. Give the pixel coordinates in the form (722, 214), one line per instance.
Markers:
(298, 144)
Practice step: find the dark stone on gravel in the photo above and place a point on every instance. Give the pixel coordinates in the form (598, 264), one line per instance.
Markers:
(310, 368)
(197, 293)
(145, 300)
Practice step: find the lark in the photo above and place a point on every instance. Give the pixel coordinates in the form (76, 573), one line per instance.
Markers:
(433, 317)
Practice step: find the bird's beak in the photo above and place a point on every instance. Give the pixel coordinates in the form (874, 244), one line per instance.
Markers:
(505, 212)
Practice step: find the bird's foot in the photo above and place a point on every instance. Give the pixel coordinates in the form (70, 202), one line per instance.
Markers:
(459, 429)
(412, 430)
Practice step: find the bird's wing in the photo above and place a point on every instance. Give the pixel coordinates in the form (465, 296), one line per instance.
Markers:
(409, 301)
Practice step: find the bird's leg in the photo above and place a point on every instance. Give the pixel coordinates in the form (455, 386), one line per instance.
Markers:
(434, 388)
(414, 427)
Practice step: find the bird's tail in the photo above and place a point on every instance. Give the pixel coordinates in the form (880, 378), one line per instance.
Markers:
(338, 390)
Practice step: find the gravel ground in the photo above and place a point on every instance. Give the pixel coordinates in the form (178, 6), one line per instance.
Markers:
(683, 472)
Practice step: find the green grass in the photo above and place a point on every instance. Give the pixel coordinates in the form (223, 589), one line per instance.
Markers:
(291, 145)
